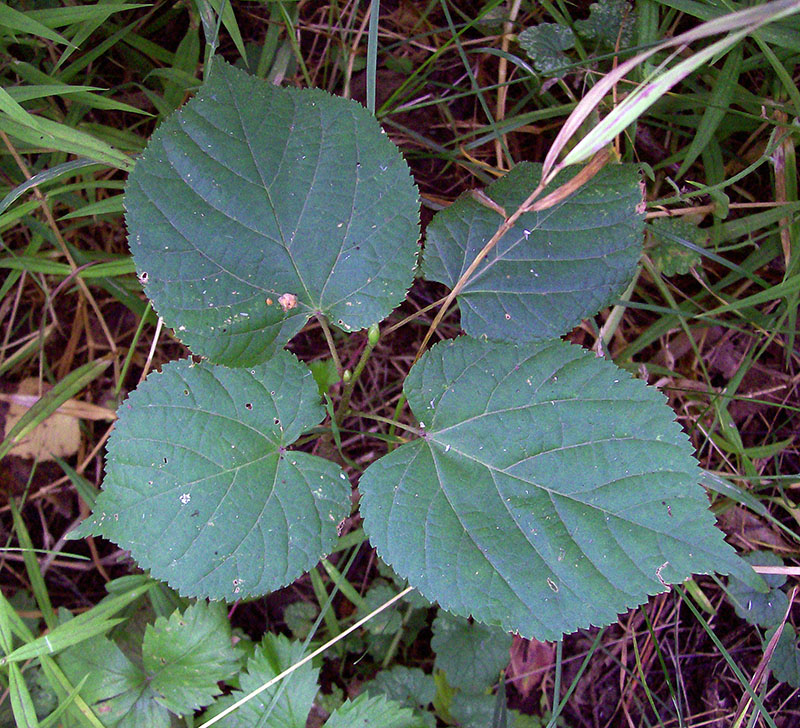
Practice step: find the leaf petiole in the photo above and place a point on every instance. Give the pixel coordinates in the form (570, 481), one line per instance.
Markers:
(349, 386)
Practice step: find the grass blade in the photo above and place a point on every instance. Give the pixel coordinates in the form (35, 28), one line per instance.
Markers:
(741, 23)
(721, 94)
(14, 20)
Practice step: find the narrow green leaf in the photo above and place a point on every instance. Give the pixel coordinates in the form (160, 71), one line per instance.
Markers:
(722, 92)
(787, 287)
(783, 34)
(44, 85)
(54, 135)
(85, 488)
(7, 614)
(63, 705)
(14, 20)
(644, 96)
(21, 702)
(90, 55)
(109, 269)
(38, 586)
(17, 112)
(230, 24)
(200, 483)
(545, 475)
(53, 674)
(56, 17)
(109, 206)
(741, 23)
(11, 624)
(46, 175)
(62, 637)
(187, 57)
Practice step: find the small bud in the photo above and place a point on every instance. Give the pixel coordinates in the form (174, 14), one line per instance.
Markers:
(347, 375)
(373, 334)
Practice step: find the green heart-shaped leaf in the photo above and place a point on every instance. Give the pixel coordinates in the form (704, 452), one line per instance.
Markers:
(550, 491)
(255, 207)
(201, 488)
(553, 268)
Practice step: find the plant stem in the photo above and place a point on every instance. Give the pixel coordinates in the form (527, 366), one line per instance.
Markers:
(390, 421)
(387, 660)
(415, 315)
(612, 322)
(395, 418)
(326, 330)
(347, 392)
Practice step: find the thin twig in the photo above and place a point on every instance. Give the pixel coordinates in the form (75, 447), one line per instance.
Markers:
(310, 656)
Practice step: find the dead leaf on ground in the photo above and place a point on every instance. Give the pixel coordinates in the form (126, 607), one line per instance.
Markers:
(751, 530)
(530, 661)
(59, 435)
